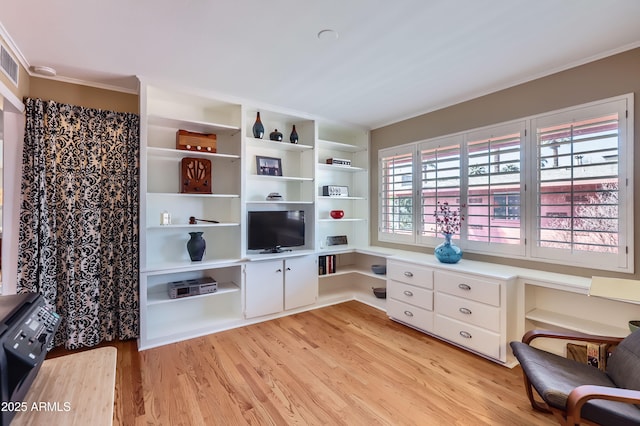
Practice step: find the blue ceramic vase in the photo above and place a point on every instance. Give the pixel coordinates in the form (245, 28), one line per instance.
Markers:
(447, 252)
(196, 246)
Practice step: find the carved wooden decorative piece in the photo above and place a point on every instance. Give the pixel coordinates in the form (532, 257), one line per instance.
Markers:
(200, 142)
(195, 176)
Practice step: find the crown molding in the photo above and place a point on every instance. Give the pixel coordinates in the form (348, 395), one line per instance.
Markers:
(88, 83)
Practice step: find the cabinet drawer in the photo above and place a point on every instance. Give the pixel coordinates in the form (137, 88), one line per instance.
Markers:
(468, 311)
(468, 287)
(411, 294)
(410, 273)
(470, 336)
(409, 314)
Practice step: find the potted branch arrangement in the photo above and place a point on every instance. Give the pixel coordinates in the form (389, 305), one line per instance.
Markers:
(448, 222)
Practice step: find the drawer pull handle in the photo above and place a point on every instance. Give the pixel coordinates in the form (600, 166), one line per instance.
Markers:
(465, 287)
(408, 313)
(408, 274)
(408, 293)
(465, 334)
(465, 311)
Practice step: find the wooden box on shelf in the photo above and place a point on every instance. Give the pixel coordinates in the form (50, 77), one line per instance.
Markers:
(191, 141)
(195, 176)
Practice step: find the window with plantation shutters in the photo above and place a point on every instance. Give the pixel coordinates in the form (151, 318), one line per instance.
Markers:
(556, 187)
(494, 183)
(440, 171)
(396, 206)
(581, 189)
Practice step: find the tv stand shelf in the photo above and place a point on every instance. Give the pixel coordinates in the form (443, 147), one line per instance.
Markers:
(275, 250)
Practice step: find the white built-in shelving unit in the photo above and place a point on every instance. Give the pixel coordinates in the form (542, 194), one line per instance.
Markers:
(296, 179)
(163, 255)
(346, 143)
(237, 188)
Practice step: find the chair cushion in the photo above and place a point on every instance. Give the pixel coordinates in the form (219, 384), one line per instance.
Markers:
(554, 377)
(623, 367)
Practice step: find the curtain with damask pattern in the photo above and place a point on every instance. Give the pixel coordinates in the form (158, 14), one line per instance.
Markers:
(78, 237)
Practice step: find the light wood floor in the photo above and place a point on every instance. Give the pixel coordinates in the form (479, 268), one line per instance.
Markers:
(346, 364)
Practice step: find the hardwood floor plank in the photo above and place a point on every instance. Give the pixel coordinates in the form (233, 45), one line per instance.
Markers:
(346, 364)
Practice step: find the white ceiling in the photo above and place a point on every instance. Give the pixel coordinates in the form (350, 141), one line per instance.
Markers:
(392, 60)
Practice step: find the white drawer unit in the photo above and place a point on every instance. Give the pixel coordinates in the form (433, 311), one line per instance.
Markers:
(469, 311)
(470, 336)
(469, 287)
(410, 273)
(411, 315)
(416, 296)
(464, 308)
(410, 294)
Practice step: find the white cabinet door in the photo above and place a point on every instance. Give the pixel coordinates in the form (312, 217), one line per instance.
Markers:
(301, 281)
(264, 283)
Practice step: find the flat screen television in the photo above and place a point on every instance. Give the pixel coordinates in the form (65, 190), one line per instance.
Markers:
(275, 231)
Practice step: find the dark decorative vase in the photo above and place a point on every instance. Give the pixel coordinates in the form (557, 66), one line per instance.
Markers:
(293, 137)
(258, 128)
(196, 246)
(447, 252)
(275, 135)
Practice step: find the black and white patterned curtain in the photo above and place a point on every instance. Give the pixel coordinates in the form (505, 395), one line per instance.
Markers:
(79, 219)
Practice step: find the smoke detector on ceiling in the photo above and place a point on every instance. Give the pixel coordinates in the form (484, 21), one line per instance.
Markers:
(328, 34)
(44, 70)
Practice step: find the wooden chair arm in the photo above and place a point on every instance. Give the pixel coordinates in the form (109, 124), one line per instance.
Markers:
(580, 395)
(552, 334)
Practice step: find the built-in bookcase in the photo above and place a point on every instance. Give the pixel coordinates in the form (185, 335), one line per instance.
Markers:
(351, 145)
(238, 186)
(164, 257)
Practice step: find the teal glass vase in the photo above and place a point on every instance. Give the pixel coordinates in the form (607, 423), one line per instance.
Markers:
(447, 252)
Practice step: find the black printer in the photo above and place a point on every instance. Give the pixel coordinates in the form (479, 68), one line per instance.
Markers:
(27, 328)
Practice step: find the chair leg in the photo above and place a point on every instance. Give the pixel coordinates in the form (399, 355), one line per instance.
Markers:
(540, 406)
(562, 419)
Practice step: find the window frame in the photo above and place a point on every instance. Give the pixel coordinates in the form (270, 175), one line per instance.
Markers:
(436, 144)
(490, 132)
(383, 235)
(623, 261)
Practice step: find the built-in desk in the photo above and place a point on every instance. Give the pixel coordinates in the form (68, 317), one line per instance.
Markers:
(76, 389)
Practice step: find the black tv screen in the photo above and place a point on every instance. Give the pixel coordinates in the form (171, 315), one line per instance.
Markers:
(270, 230)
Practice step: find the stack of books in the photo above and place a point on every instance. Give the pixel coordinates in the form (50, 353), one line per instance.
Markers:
(327, 264)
